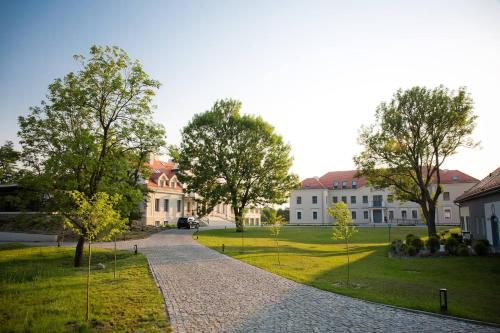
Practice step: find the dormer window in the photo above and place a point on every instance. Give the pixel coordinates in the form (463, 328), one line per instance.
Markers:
(455, 178)
(335, 185)
(354, 184)
(344, 184)
(162, 183)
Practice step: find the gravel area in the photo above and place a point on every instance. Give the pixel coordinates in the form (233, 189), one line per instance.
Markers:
(208, 292)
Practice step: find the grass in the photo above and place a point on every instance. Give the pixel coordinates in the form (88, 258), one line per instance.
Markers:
(40, 291)
(310, 256)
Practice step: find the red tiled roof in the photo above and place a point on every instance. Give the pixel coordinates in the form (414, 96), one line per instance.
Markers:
(311, 183)
(338, 176)
(489, 184)
(159, 168)
(328, 179)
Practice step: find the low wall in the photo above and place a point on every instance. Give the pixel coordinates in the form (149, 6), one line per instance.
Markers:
(22, 237)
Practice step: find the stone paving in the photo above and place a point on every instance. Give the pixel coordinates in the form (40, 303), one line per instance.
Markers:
(208, 292)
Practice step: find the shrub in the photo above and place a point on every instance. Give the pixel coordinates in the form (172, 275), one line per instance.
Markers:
(463, 250)
(433, 244)
(411, 250)
(409, 238)
(451, 245)
(481, 247)
(417, 243)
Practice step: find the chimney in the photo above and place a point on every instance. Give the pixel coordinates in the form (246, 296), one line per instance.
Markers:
(152, 158)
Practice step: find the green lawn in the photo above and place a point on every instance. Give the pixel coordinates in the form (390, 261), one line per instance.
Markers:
(310, 256)
(40, 291)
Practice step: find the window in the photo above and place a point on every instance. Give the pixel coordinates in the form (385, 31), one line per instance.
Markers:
(157, 205)
(391, 215)
(178, 206)
(377, 201)
(447, 213)
(335, 185)
(157, 223)
(315, 215)
(353, 199)
(162, 183)
(189, 207)
(446, 196)
(299, 200)
(334, 199)
(403, 214)
(365, 215)
(455, 178)
(344, 199)
(390, 198)
(344, 184)
(354, 184)
(315, 199)
(165, 205)
(414, 214)
(353, 215)
(299, 215)
(365, 199)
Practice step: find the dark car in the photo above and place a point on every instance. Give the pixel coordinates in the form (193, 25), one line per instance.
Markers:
(183, 222)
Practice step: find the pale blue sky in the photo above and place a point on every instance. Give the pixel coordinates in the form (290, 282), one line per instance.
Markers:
(316, 70)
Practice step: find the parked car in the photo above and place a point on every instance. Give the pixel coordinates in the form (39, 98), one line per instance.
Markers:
(183, 222)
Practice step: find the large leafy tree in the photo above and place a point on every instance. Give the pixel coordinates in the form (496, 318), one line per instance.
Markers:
(93, 134)
(412, 137)
(236, 159)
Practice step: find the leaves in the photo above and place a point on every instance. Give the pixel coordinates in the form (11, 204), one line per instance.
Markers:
(94, 131)
(96, 216)
(412, 137)
(8, 159)
(342, 215)
(236, 159)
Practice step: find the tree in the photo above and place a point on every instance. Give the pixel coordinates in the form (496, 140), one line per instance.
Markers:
(235, 159)
(266, 214)
(275, 222)
(100, 220)
(93, 134)
(413, 136)
(343, 230)
(8, 159)
(285, 214)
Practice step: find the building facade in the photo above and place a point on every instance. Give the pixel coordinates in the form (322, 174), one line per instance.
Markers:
(167, 199)
(309, 203)
(480, 210)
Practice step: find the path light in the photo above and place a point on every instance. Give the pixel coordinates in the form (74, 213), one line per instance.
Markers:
(389, 225)
(443, 299)
(222, 247)
(135, 249)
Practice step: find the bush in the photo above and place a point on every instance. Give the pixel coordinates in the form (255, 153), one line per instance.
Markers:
(417, 243)
(462, 250)
(451, 245)
(409, 238)
(481, 247)
(411, 250)
(433, 244)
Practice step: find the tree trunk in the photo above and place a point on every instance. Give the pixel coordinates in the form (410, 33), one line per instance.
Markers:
(87, 313)
(278, 247)
(79, 251)
(114, 270)
(238, 216)
(347, 248)
(431, 221)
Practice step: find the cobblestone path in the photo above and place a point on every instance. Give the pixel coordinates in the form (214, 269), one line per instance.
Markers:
(208, 292)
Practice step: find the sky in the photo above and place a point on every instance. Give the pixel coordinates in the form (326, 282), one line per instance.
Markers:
(315, 70)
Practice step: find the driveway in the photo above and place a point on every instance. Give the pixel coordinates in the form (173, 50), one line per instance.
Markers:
(208, 292)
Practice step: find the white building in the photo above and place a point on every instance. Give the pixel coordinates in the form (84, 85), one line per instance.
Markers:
(308, 205)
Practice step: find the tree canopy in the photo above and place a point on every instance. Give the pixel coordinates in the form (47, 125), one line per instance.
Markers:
(93, 133)
(8, 159)
(412, 137)
(237, 159)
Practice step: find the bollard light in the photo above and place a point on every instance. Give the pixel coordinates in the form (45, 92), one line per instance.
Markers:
(222, 247)
(443, 299)
(135, 249)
